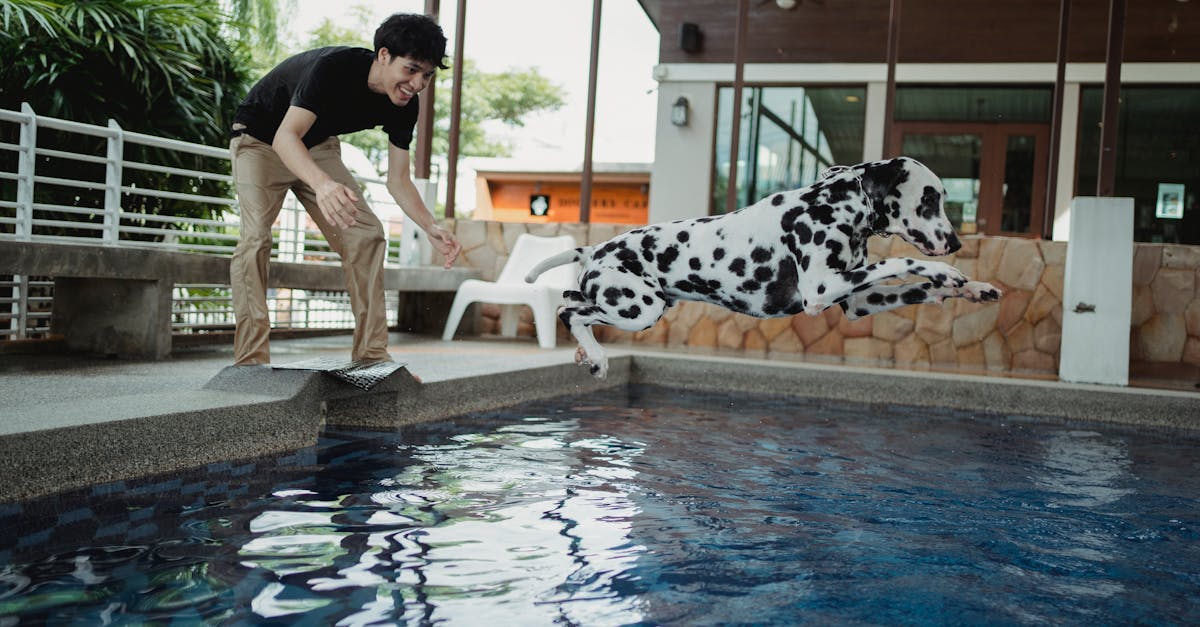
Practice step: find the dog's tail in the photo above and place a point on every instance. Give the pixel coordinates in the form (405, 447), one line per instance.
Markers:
(563, 258)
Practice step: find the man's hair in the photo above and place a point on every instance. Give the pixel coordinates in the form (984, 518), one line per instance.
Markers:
(414, 36)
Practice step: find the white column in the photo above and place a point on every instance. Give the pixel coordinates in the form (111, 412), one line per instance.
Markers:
(681, 176)
(1098, 292)
(1068, 140)
(873, 139)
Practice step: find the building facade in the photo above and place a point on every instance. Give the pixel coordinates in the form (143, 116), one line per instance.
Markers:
(974, 100)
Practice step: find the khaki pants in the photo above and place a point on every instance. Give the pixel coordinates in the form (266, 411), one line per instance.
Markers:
(262, 181)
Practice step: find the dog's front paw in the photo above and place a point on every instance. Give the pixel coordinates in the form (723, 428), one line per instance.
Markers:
(599, 369)
(979, 292)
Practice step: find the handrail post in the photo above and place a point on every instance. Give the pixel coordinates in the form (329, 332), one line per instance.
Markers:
(26, 165)
(112, 184)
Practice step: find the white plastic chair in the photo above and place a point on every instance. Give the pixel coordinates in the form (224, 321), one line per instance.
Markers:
(510, 289)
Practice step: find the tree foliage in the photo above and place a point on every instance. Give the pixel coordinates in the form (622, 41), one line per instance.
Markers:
(159, 67)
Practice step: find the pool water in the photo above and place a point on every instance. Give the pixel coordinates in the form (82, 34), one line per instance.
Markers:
(645, 506)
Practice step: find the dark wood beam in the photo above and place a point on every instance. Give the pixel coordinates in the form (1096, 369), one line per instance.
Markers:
(424, 148)
(1107, 174)
(585, 184)
(893, 52)
(1064, 21)
(739, 62)
(460, 27)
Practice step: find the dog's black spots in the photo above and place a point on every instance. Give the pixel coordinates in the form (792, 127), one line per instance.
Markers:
(706, 219)
(822, 213)
(631, 313)
(803, 233)
(812, 195)
(861, 312)
(694, 263)
(788, 221)
(777, 199)
(718, 254)
(763, 273)
(647, 300)
(683, 236)
(750, 285)
(843, 305)
(649, 242)
(861, 288)
(592, 292)
(591, 276)
(626, 255)
(919, 238)
(821, 288)
(594, 368)
(738, 266)
(804, 261)
(667, 258)
(841, 191)
(572, 295)
(819, 238)
(781, 293)
(875, 298)
(931, 203)
(760, 255)
(891, 298)
(857, 276)
(648, 255)
(835, 248)
(627, 293)
(846, 230)
(913, 296)
(612, 296)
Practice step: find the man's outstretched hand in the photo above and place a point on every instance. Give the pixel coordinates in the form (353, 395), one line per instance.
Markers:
(445, 243)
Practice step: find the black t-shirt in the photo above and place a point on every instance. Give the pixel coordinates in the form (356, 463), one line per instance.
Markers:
(332, 83)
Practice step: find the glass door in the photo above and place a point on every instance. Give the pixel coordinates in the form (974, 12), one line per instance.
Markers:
(995, 174)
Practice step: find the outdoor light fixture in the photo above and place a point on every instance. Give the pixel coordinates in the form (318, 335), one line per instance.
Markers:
(786, 4)
(679, 112)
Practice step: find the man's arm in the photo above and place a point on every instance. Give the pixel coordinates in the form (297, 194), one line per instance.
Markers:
(335, 200)
(400, 186)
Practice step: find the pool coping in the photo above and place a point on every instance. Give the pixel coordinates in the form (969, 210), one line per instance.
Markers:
(243, 413)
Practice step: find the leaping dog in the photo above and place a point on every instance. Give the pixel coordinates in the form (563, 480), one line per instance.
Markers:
(797, 251)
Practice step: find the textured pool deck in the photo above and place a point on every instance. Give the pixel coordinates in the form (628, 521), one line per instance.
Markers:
(68, 422)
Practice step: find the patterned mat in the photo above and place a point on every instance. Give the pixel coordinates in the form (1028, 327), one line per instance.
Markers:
(361, 374)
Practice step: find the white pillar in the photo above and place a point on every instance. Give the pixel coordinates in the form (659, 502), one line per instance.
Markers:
(1068, 138)
(1098, 292)
(873, 139)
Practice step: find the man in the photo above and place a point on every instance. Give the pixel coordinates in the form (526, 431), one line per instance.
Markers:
(285, 137)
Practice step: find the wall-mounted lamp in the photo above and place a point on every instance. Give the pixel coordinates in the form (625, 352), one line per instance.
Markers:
(786, 4)
(679, 112)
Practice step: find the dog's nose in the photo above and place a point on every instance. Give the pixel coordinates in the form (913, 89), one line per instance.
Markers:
(953, 243)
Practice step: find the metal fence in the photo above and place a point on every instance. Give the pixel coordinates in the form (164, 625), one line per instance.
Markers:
(67, 182)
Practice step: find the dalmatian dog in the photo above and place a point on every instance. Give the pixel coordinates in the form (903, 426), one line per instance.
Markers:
(797, 251)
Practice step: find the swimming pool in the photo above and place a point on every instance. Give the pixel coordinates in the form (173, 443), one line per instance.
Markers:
(647, 505)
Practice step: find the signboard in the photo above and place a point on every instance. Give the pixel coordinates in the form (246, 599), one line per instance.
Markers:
(539, 204)
(1170, 201)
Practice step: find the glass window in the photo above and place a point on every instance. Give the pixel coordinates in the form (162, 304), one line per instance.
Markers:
(1158, 150)
(787, 136)
(973, 104)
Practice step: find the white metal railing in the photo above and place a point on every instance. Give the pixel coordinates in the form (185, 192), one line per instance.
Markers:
(209, 308)
(104, 206)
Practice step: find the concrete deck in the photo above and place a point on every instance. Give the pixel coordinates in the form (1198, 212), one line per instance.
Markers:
(69, 422)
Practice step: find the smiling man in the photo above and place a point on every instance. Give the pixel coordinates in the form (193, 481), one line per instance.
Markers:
(285, 138)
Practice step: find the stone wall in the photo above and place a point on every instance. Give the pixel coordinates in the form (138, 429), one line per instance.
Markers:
(1019, 335)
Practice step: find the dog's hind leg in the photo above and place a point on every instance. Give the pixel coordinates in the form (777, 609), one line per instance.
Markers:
(887, 297)
(630, 314)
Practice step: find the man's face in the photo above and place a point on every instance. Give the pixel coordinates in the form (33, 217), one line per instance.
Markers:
(401, 77)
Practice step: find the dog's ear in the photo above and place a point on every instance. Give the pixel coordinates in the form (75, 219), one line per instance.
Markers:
(879, 178)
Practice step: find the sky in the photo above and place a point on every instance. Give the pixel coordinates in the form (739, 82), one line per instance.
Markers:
(553, 36)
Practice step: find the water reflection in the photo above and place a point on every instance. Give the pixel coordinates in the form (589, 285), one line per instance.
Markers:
(533, 518)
